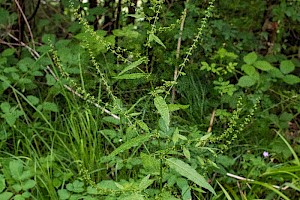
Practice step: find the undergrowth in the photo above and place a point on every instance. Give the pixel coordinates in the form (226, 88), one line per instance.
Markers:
(114, 122)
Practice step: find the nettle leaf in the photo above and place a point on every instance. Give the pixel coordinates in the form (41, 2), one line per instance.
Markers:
(2, 183)
(143, 126)
(5, 107)
(251, 71)
(63, 194)
(287, 66)
(28, 184)
(12, 116)
(246, 81)
(250, 58)
(132, 66)
(16, 169)
(291, 79)
(186, 153)
(150, 163)
(33, 99)
(145, 182)
(276, 73)
(76, 186)
(163, 109)
(127, 145)
(190, 173)
(132, 76)
(174, 107)
(8, 52)
(263, 65)
(156, 39)
(50, 80)
(50, 106)
(6, 195)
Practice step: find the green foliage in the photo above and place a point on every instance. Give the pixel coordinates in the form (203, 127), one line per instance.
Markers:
(16, 180)
(183, 102)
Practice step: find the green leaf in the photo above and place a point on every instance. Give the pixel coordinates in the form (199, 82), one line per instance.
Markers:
(250, 71)
(224, 191)
(246, 81)
(26, 194)
(12, 117)
(150, 163)
(190, 173)
(16, 169)
(6, 195)
(28, 184)
(174, 107)
(291, 79)
(163, 109)
(276, 73)
(263, 65)
(131, 76)
(50, 80)
(5, 107)
(33, 100)
(63, 194)
(156, 39)
(2, 183)
(127, 145)
(50, 106)
(132, 66)
(17, 187)
(76, 186)
(186, 153)
(143, 126)
(145, 182)
(250, 58)
(134, 196)
(8, 52)
(287, 66)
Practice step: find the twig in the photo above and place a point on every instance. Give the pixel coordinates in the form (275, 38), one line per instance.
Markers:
(211, 123)
(251, 180)
(178, 52)
(26, 22)
(36, 55)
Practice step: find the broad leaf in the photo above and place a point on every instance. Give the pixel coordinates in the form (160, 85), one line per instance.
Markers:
(16, 169)
(2, 183)
(246, 81)
(190, 173)
(150, 163)
(263, 65)
(163, 109)
(291, 79)
(50, 106)
(287, 66)
(33, 99)
(145, 183)
(250, 58)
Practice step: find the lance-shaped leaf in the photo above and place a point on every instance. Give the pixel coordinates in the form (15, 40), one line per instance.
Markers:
(156, 39)
(132, 66)
(163, 109)
(190, 173)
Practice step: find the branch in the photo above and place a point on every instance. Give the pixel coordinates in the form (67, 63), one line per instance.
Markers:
(178, 52)
(26, 22)
(251, 180)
